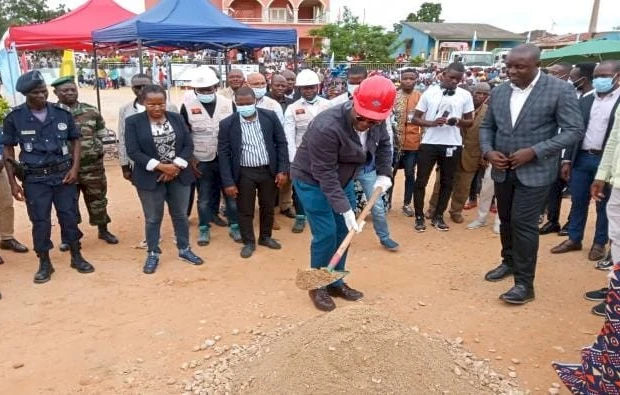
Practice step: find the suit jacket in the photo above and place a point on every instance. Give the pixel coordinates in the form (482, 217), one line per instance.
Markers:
(141, 148)
(229, 146)
(585, 104)
(552, 104)
(471, 155)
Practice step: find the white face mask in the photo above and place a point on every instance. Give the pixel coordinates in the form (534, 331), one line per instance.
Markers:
(259, 92)
(351, 88)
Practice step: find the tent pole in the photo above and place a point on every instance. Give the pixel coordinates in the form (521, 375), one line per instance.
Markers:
(295, 58)
(219, 67)
(96, 66)
(11, 71)
(140, 60)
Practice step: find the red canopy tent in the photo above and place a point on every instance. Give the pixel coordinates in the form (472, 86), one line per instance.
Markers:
(70, 31)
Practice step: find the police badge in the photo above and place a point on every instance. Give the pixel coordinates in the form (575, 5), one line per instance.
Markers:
(62, 126)
(28, 147)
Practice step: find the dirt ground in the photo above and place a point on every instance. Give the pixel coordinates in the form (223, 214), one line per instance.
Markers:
(119, 331)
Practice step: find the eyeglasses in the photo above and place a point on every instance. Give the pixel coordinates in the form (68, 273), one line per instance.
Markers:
(138, 87)
(360, 118)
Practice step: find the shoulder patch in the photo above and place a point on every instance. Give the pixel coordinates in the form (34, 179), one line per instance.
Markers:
(62, 107)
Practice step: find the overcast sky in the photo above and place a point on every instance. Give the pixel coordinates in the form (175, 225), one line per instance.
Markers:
(558, 16)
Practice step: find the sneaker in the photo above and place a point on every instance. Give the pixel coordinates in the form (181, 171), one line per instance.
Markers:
(439, 224)
(605, 263)
(420, 226)
(151, 263)
(188, 256)
(204, 236)
(234, 233)
(596, 296)
(408, 211)
(300, 224)
(494, 208)
(496, 228)
(390, 244)
(476, 224)
(600, 309)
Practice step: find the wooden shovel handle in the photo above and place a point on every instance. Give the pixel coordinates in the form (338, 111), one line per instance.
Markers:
(347, 240)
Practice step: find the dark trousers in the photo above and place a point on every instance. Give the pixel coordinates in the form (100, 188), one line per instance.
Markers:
(39, 200)
(554, 201)
(519, 207)
(430, 155)
(581, 178)
(252, 180)
(209, 195)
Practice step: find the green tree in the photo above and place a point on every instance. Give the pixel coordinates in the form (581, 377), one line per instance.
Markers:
(349, 37)
(428, 12)
(23, 12)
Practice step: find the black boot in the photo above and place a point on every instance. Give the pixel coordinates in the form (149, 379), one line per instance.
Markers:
(77, 260)
(44, 274)
(105, 235)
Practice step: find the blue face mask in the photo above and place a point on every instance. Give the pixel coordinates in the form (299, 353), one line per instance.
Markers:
(247, 111)
(206, 98)
(259, 92)
(603, 84)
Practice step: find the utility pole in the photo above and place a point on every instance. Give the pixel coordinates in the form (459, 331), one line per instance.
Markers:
(594, 17)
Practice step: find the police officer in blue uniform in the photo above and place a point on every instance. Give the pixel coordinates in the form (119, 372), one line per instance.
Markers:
(48, 170)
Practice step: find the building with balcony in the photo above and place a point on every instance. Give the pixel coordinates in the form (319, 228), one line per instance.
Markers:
(301, 15)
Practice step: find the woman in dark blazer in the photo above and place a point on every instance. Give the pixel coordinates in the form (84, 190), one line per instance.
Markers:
(159, 143)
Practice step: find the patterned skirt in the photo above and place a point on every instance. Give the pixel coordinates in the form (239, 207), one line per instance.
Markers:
(599, 371)
(360, 198)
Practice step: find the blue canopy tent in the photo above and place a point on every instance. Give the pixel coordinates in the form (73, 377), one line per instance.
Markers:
(192, 25)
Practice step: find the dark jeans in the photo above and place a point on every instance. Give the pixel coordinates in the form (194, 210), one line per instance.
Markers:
(209, 191)
(581, 178)
(39, 200)
(428, 156)
(519, 207)
(407, 161)
(251, 180)
(176, 195)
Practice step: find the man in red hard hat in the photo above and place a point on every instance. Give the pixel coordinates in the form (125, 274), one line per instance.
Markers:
(338, 142)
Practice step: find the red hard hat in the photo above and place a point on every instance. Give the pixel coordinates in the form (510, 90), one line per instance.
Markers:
(374, 98)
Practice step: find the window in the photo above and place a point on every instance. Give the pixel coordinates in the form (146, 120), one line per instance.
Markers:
(277, 14)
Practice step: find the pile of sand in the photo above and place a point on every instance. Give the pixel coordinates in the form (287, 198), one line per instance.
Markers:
(354, 350)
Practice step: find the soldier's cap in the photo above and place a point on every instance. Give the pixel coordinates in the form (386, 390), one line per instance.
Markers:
(28, 81)
(63, 80)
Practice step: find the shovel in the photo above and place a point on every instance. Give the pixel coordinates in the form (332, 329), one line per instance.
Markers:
(318, 278)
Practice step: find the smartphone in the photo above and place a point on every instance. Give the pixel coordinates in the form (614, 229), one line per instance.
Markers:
(445, 114)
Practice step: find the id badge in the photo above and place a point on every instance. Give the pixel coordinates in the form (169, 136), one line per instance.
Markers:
(449, 152)
(65, 150)
(28, 147)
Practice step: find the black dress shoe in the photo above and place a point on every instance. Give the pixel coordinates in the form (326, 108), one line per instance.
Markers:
(564, 230)
(519, 294)
(499, 273)
(345, 292)
(549, 227)
(13, 245)
(269, 243)
(288, 212)
(247, 250)
(219, 221)
(322, 300)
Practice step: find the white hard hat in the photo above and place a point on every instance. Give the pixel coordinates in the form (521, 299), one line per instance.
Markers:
(204, 77)
(307, 78)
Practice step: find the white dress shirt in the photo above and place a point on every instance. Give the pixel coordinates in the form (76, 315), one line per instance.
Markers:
(599, 120)
(519, 97)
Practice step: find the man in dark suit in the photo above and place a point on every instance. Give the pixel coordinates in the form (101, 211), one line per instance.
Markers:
(581, 161)
(253, 157)
(519, 136)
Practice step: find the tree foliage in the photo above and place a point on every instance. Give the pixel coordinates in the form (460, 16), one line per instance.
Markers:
(23, 12)
(428, 12)
(349, 37)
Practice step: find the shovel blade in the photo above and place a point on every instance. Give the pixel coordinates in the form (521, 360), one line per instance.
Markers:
(317, 278)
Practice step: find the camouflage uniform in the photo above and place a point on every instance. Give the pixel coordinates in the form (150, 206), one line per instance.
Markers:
(92, 181)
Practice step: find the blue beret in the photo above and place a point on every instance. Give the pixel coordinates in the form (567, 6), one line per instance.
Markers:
(28, 81)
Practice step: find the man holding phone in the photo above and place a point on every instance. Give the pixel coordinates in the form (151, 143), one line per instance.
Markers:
(442, 110)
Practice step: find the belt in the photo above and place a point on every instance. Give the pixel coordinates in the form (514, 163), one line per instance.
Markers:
(597, 152)
(49, 170)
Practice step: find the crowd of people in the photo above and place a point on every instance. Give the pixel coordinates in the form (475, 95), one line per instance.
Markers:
(315, 146)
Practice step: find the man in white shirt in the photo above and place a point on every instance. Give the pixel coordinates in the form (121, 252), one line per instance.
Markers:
(296, 120)
(443, 110)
